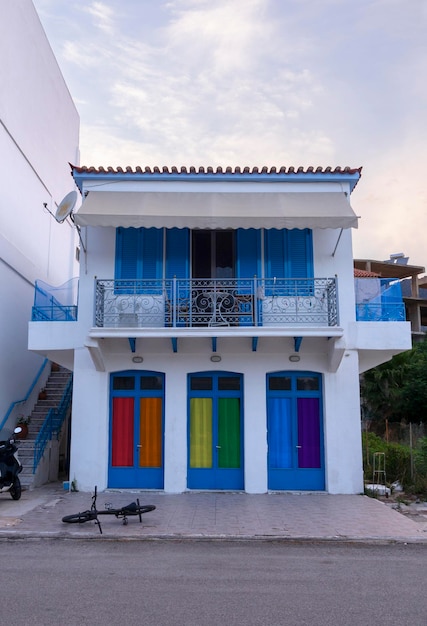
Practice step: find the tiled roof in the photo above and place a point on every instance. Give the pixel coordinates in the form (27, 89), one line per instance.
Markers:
(365, 274)
(218, 170)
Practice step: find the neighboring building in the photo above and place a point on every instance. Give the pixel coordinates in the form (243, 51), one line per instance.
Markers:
(216, 345)
(39, 135)
(398, 273)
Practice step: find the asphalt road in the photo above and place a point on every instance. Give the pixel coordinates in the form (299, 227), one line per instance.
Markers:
(70, 582)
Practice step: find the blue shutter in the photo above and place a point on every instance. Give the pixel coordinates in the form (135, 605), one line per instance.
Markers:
(248, 257)
(177, 253)
(178, 265)
(248, 265)
(127, 253)
(152, 253)
(299, 254)
(274, 253)
(288, 253)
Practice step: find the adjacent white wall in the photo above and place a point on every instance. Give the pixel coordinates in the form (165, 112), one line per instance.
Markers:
(39, 135)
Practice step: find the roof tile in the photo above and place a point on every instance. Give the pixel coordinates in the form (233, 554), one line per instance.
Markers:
(219, 170)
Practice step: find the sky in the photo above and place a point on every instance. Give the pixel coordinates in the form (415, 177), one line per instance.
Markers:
(254, 83)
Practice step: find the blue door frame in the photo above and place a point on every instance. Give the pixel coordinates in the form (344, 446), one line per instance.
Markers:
(215, 431)
(136, 448)
(295, 431)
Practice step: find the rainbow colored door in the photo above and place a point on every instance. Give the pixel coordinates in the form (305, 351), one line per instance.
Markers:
(215, 447)
(136, 439)
(295, 432)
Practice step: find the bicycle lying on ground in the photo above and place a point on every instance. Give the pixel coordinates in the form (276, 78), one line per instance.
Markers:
(134, 508)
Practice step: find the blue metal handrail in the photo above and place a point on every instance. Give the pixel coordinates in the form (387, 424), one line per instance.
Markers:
(33, 384)
(381, 312)
(55, 304)
(54, 313)
(52, 424)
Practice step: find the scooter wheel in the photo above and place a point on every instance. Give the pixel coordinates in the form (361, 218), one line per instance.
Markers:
(16, 490)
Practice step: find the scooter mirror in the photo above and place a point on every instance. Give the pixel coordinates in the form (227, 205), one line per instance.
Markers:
(17, 430)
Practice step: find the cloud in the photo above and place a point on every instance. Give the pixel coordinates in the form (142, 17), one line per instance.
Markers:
(212, 85)
(103, 16)
(258, 82)
(225, 36)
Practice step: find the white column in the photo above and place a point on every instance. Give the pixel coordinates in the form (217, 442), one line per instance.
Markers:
(175, 428)
(343, 440)
(255, 431)
(89, 425)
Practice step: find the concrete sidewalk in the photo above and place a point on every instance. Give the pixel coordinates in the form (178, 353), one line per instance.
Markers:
(204, 515)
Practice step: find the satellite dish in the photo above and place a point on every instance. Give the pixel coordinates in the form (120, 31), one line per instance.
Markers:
(65, 208)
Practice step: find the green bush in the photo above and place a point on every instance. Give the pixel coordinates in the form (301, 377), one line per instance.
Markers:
(421, 457)
(397, 462)
(397, 459)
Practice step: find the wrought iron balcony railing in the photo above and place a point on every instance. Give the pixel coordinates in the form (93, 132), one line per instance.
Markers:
(216, 302)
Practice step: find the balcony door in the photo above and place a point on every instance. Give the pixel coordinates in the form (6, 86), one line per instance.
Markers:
(136, 430)
(213, 254)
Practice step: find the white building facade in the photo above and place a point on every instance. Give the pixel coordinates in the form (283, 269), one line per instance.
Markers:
(216, 345)
(39, 134)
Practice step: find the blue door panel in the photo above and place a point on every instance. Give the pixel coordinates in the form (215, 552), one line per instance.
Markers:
(296, 480)
(130, 478)
(220, 479)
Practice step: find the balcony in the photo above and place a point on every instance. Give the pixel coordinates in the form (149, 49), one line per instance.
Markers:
(198, 303)
(379, 300)
(55, 304)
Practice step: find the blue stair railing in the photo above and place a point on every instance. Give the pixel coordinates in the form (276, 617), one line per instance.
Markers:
(52, 425)
(13, 405)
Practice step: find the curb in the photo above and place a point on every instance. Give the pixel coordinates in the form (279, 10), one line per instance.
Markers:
(96, 536)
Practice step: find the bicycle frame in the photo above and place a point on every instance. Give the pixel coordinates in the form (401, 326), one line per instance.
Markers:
(134, 508)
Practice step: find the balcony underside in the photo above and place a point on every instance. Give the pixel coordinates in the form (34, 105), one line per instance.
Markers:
(104, 345)
(100, 340)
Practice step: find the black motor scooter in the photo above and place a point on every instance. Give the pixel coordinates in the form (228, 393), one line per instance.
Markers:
(10, 465)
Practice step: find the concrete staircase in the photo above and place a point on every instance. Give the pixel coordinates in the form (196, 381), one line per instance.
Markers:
(55, 387)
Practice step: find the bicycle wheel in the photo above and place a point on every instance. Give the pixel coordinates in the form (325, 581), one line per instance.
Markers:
(79, 518)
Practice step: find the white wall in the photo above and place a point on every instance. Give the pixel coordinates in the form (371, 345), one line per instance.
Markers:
(39, 134)
(343, 439)
(90, 422)
(333, 257)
